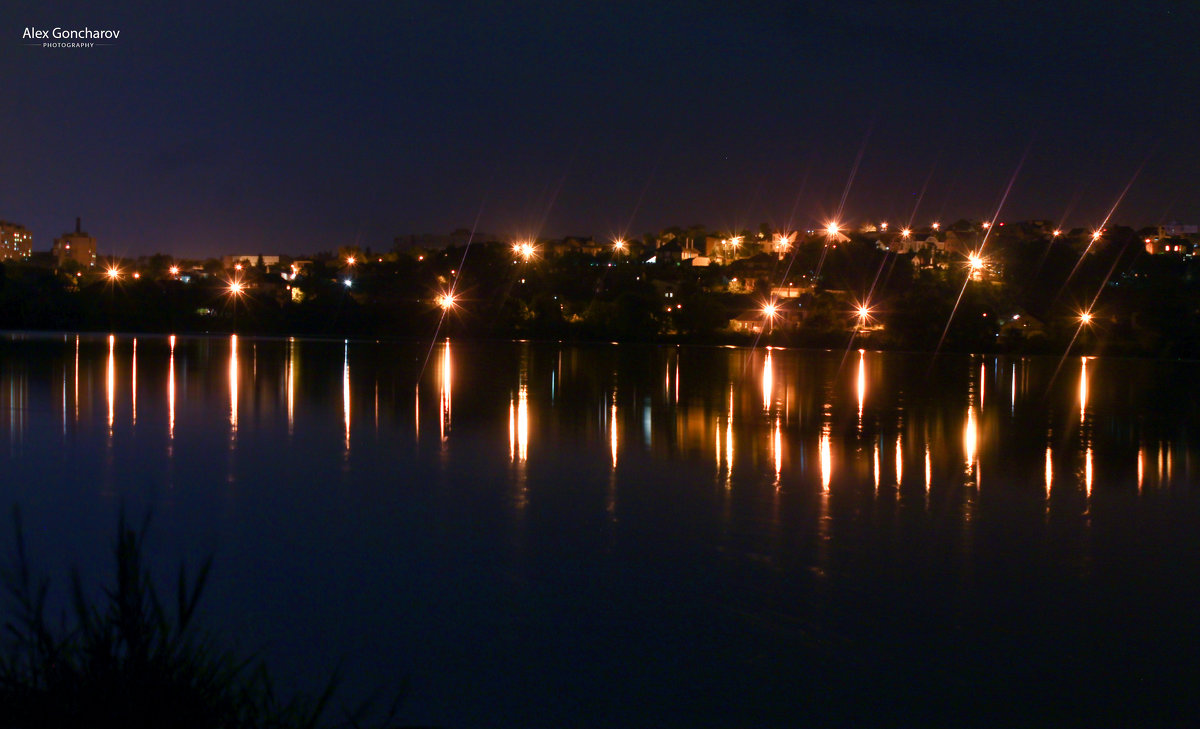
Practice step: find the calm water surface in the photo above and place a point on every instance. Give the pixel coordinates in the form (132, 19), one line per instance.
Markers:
(531, 535)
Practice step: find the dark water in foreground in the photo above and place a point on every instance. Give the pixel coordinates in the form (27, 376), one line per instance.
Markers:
(618, 535)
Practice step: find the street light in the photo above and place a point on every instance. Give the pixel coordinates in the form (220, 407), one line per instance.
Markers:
(524, 250)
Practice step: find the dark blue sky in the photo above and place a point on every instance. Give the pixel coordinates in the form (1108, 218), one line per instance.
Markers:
(294, 127)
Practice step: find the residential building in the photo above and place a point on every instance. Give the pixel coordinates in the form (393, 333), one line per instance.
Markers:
(16, 242)
(78, 247)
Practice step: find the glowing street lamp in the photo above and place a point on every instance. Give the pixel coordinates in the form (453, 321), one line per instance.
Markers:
(1057, 233)
(174, 270)
(1096, 235)
(114, 273)
(863, 314)
(975, 262)
(347, 282)
(937, 225)
(1085, 317)
(906, 233)
(351, 260)
(446, 301)
(236, 288)
(832, 229)
(524, 250)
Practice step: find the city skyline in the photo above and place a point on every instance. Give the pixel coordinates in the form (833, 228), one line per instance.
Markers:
(201, 131)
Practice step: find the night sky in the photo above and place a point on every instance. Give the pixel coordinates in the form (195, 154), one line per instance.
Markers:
(293, 127)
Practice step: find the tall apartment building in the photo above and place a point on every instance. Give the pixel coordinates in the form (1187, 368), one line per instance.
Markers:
(16, 242)
(78, 247)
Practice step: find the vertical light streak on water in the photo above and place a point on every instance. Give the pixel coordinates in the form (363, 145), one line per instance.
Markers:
(971, 440)
(133, 381)
(729, 442)
(64, 401)
(610, 500)
(233, 388)
(768, 382)
(612, 429)
(676, 379)
(1049, 469)
(1012, 397)
(523, 424)
(447, 375)
(346, 394)
(777, 446)
(111, 380)
(826, 458)
(862, 387)
(899, 462)
(928, 470)
(1141, 466)
(171, 393)
(291, 385)
(76, 378)
(512, 430)
(982, 383)
(1087, 470)
(1083, 388)
(876, 464)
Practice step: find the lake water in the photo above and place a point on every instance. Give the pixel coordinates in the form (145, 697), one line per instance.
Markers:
(539, 534)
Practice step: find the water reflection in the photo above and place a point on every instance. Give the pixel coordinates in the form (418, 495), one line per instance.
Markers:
(133, 382)
(688, 404)
(233, 387)
(111, 381)
(346, 393)
(862, 386)
(447, 375)
(768, 382)
(290, 378)
(612, 430)
(171, 392)
(826, 458)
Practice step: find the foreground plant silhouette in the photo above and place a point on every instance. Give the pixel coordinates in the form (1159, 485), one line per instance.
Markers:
(127, 660)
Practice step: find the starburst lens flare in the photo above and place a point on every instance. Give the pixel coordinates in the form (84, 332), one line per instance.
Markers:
(1085, 317)
(524, 250)
(975, 261)
(114, 273)
(236, 288)
(446, 301)
(832, 229)
(906, 233)
(770, 310)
